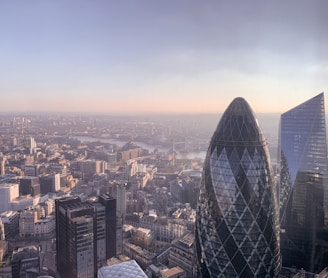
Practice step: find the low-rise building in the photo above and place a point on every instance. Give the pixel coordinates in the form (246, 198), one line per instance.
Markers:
(45, 226)
(182, 254)
(26, 262)
(22, 202)
(143, 237)
(143, 257)
(174, 272)
(10, 221)
(26, 223)
(8, 192)
(34, 222)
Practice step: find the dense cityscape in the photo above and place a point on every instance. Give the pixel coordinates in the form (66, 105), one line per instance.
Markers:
(49, 157)
(163, 139)
(100, 195)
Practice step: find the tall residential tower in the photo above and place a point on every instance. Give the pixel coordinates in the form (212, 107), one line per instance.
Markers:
(237, 227)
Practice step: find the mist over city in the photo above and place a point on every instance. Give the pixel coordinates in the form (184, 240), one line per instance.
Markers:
(177, 139)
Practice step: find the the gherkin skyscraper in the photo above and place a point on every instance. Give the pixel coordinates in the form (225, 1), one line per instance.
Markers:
(237, 227)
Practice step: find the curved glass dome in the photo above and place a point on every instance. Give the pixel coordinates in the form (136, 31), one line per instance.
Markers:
(237, 227)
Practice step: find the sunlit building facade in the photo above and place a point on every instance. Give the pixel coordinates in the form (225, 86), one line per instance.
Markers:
(303, 169)
(237, 227)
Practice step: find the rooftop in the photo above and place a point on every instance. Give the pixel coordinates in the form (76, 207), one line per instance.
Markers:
(126, 269)
(172, 272)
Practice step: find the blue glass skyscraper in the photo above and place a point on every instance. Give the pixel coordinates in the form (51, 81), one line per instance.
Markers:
(237, 226)
(303, 169)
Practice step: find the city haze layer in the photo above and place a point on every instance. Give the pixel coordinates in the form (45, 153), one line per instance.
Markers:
(161, 57)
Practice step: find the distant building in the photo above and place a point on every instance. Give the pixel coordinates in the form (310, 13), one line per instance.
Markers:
(184, 190)
(45, 226)
(22, 202)
(2, 165)
(90, 167)
(131, 168)
(31, 170)
(26, 223)
(49, 183)
(130, 151)
(46, 184)
(111, 158)
(29, 186)
(30, 143)
(8, 192)
(10, 220)
(31, 223)
(29, 160)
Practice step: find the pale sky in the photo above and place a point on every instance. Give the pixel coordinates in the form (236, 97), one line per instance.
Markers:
(179, 56)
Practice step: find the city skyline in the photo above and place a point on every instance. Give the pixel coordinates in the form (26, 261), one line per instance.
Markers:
(161, 57)
(179, 212)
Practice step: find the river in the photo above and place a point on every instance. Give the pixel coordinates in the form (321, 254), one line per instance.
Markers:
(151, 148)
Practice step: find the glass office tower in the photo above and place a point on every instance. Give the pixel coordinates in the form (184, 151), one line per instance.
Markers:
(303, 168)
(237, 226)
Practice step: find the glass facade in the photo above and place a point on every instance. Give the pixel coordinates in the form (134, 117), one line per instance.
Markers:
(303, 168)
(237, 227)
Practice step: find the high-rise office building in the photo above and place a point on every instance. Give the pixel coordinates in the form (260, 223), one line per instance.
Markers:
(121, 199)
(86, 235)
(74, 238)
(110, 228)
(303, 169)
(237, 226)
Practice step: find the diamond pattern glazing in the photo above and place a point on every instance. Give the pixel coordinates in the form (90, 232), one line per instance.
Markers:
(237, 215)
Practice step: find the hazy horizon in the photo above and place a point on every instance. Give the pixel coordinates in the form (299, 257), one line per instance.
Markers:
(161, 57)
